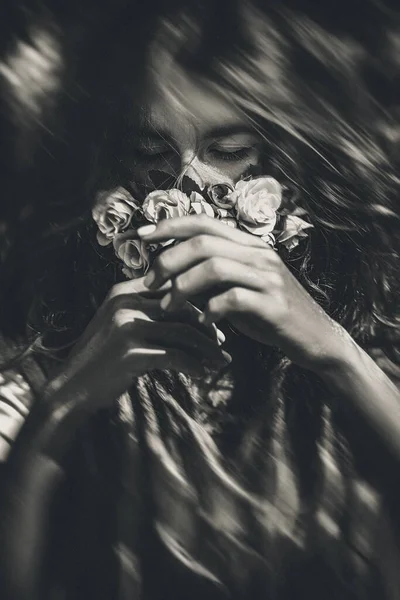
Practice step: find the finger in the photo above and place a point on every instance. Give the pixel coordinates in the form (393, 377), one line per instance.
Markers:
(126, 308)
(186, 227)
(155, 358)
(213, 273)
(235, 301)
(199, 248)
(189, 313)
(179, 336)
(135, 287)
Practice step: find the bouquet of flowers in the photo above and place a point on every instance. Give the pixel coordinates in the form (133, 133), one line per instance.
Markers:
(254, 205)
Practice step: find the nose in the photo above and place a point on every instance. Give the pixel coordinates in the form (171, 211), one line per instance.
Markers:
(201, 173)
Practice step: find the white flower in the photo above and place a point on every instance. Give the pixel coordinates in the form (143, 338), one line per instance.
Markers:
(113, 212)
(294, 229)
(133, 253)
(257, 201)
(165, 204)
(230, 221)
(269, 239)
(130, 273)
(199, 206)
(222, 195)
(223, 213)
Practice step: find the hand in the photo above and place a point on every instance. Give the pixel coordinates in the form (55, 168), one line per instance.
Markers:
(128, 336)
(131, 335)
(245, 282)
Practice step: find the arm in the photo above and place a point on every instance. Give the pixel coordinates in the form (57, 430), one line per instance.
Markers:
(369, 402)
(125, 340)
(248, 284)
(31, 476)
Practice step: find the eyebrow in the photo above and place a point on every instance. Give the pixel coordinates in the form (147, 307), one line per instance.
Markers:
(227, 130)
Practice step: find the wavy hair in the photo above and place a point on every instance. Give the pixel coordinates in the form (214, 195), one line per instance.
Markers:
(319, 89)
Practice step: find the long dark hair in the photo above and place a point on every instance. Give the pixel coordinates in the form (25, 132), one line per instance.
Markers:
(318, 87)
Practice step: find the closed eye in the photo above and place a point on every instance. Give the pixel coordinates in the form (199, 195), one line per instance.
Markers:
(230, 154)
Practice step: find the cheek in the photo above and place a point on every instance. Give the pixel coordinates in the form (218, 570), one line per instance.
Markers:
(234, 169)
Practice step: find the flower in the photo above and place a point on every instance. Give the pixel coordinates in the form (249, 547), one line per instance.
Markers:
(133, 253)
(269, 239)
(113, 212)
(165, 204)
(293, 230)
(253, 205)
(230, 221)
(257, 201)
(222, 195)
(199, 206)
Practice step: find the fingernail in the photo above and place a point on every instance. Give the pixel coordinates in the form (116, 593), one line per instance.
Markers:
(146, 230)
(220, 336)
(227, 357)
(150, 279)
(166, 301)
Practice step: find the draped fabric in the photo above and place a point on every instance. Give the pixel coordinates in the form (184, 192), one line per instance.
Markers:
(151, 508)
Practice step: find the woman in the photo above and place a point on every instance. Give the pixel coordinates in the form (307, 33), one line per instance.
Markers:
(271, 475)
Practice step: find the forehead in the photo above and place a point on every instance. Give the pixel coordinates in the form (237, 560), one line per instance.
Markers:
(176, 102)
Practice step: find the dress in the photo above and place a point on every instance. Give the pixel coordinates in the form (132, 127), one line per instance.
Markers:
(139, 514)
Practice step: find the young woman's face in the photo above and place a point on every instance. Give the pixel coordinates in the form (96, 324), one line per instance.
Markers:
(193, 130)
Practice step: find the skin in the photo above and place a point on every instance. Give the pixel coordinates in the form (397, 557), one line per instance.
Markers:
(194, 130)
(147, 324)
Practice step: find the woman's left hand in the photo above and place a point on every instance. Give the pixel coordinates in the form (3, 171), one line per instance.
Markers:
(245, 282)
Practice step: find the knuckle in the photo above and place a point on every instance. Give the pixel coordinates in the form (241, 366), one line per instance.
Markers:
(160, 265)
(235, 297)
(213, 305)
(199, 244)
(265, 258)
(115, 291)
(203, 219)
(256, 278)
(122, 318)
(275, 282)
(180, 284)
(214, 267)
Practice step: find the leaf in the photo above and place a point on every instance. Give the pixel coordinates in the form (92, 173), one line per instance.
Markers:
(188, 186)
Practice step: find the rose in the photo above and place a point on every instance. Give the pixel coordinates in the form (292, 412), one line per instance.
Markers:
(113, 212)
(133, 253)
(269, 239)
(293, 230)
(223, 213)
(257, 201)
(165, 204)
(230, 221)
(222, 196)
(199, 206)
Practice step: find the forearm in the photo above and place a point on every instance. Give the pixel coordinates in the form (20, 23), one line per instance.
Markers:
(32, 474)
(367, 399)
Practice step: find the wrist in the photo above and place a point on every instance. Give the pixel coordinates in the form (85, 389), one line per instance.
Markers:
(340, 360)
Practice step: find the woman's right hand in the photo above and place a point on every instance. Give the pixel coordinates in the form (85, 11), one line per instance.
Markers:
(129, 336)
